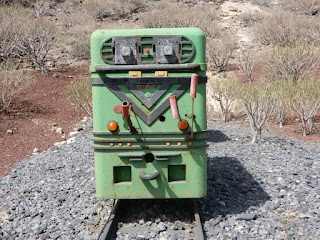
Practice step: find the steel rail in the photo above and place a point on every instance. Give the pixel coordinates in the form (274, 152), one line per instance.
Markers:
(110, 228)
(199, 230)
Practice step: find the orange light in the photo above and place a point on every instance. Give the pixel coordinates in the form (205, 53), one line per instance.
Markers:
(112, 126)
(183, 125)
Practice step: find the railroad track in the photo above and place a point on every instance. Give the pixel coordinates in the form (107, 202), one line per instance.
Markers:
(144, 219)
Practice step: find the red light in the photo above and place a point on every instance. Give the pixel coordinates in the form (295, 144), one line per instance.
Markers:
(112, 126)
(183, 125)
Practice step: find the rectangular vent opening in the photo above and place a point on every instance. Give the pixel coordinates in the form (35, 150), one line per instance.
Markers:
(176, 173)
(122, 174)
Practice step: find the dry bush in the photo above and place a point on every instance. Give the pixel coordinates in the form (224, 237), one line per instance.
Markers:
(81, 95)
(182, 16)
(225, 91)
(247, 62)
(35, 42)
(12, 18)
(114, 10)
(250, 18)
(12, 82)
(263, 3)
(219, 52)
(292, 62)
(302, 7)
(284, 28)
(78, 27)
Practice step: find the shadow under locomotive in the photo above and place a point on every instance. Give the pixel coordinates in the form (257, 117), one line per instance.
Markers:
(231, 189)
(216, 136)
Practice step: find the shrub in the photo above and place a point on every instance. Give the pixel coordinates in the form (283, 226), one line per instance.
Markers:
(35, 42)
(302, 7)
(304, 99)
(12, 82)
(259, 101)
(183, 16)
(81, 96)
(284, 28)
(292, 62)
(114, 10)
(247, 63)
(219, 52)
(264, 3)
(225, 91)
(249, 18)
(12, 18)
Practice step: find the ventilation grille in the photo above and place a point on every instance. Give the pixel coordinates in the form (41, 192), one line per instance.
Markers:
(107, 51)
(187, 49)
(184, 55)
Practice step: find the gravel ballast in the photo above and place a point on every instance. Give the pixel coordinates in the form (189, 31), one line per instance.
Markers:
(268, 190)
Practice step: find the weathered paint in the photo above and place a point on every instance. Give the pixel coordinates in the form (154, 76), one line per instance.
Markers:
(125, 148)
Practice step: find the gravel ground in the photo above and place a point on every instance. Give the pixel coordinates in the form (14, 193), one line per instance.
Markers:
(255, 191)
(261, 191)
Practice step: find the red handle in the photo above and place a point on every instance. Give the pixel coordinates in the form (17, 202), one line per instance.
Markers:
(193, 85)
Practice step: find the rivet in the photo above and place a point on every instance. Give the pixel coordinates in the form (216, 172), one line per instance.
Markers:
(111, 144)
(168, 143)
(119, 144)
(129, 144)
(189, 143)
(179, 143)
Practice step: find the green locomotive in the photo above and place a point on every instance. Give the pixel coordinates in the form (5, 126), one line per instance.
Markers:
(149, 113)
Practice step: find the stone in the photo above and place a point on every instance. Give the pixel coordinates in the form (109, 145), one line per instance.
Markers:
(247, 216)
(9, 131)
(234, 9)
(59, 130)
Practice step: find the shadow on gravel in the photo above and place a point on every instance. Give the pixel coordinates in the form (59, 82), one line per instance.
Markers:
(216, 136)
(231, 189)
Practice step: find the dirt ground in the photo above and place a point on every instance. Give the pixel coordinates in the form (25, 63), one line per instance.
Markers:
(36, 112)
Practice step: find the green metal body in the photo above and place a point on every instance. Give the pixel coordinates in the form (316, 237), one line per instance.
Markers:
(157, 145)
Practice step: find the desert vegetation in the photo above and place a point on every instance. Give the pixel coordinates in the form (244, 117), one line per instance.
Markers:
(274, 81)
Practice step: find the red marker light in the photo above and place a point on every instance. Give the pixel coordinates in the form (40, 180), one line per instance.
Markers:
(112, 126)
(183, 125)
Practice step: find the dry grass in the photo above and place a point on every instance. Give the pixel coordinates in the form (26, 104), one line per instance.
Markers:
(114, 10)
(302, 7)
(284, 28)
(81, 95)
(183, 16)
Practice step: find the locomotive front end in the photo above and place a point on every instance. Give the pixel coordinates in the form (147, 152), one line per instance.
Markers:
(149, 113)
